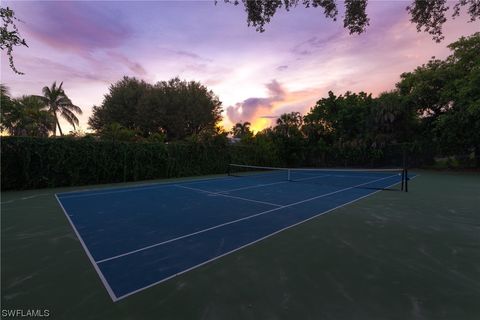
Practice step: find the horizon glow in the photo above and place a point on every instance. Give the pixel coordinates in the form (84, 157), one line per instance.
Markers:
(258, 76)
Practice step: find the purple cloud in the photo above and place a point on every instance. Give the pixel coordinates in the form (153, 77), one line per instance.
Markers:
(63, 71)
(249, 108)
(133, 66)
(189, 55)
(77, 26)
(315, 43)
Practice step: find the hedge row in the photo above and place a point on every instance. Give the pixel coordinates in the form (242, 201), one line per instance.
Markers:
(29, 163)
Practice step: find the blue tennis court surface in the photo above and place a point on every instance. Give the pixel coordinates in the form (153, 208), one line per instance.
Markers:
(137, 237)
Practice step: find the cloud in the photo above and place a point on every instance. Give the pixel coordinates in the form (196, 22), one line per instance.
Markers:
(133, 66)
(268, 117)
(190, 55)
(316, 43)
(77, 26)
(250, 108)
(282, 68)
(42, 66)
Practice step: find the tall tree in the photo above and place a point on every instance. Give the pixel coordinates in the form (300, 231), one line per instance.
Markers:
(190, 107)
(288, 137)
(423, 88)
(342, 119)
(458, 129)
(121, 105)
(59, 104)
(289, 124)
(391, 121)
(446, 97)
(428, 15)
(176, 108)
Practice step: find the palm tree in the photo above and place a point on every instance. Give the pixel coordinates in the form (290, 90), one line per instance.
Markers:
(241, 129)
(58, 103)
(26, 117)
(37, 122)
(6, 108)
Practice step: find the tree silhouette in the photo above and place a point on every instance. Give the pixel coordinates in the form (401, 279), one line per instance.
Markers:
(10, 37)
(59, 104)
(240, 130)
(428, 15)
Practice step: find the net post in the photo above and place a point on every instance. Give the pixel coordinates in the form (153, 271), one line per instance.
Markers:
(405, 170)
(403, 178)
(288, 175)
(406, 180)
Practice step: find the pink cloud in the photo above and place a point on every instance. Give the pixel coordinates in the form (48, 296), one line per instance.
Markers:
(76, 26)
(133, 66)
(249, 109)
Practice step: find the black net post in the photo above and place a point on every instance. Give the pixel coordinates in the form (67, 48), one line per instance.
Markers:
(405, 170)
(406, 180)
(403, 178)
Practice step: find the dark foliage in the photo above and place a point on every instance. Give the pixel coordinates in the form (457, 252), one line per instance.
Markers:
(29, 163)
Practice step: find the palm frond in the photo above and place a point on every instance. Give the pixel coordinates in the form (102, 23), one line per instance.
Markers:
(70, 117)
(41, 98)
(46, 91)
(73, 108)
(5, 91)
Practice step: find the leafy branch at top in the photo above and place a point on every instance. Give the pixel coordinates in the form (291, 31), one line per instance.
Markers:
(10, 36)
(428, 15)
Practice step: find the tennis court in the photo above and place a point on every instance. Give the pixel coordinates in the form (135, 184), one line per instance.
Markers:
(137, 237)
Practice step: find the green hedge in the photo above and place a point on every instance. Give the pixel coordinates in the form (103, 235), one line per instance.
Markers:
(28, 163)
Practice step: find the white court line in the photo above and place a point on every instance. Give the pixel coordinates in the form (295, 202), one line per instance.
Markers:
(26, 198)
(228, 196)
(254, 186)
(251, 243)
(271, 184)
(97, 268)
(295, 180)
(235, 221)
(140, 187)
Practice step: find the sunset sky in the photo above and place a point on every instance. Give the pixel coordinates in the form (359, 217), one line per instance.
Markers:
(257, 76)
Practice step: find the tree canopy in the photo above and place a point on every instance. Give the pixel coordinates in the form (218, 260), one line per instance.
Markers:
(429, 16)
(25, 116)
(34, 115)
(176, 108)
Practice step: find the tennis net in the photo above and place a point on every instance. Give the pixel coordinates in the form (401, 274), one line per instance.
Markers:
(361, 178)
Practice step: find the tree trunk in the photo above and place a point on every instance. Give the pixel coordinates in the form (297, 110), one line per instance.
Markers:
(58, 124)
